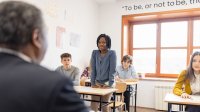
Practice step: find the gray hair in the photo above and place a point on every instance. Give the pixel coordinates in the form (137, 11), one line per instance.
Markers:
(18, 20)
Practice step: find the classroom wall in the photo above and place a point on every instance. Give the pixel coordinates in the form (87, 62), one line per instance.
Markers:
(110, 23)
(146, 94)
(80, 22)
(80, 19)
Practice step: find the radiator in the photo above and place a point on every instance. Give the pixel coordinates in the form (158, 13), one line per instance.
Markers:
(160, 92)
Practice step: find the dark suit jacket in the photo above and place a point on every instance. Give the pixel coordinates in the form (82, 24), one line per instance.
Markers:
(28, 87)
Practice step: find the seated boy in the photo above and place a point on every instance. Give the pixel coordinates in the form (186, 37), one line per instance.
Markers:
(67, 69)
(126, 73)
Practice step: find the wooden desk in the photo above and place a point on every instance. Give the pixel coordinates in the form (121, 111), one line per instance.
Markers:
(96, 92)
(174, 99)
(129, 84)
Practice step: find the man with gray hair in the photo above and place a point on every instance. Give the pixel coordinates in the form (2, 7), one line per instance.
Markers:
(25, 86)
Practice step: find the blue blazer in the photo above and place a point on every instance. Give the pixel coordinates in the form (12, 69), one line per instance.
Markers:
(103, 68)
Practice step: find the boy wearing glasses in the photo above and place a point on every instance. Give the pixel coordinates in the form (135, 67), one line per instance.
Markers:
(67, 69)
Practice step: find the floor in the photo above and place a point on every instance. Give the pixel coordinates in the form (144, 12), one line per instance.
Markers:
(139, 109)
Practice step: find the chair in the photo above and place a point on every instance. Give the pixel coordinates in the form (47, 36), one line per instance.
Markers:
(121, 88)
(82, 81)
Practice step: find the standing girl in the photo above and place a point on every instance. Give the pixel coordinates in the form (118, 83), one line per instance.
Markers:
(103, 64)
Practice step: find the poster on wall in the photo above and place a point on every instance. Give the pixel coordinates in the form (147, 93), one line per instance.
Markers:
(74, 39)
(60, 37)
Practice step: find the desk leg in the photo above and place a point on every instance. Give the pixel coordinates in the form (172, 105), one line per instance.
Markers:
(180, 107)
(135, 97)
(83, 96)
(114, 95)
(100, 104)
(169, 107)
(129, 90)
(128, 94)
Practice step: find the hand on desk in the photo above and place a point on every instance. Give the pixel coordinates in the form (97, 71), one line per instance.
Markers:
(185, 95)
(118, 79)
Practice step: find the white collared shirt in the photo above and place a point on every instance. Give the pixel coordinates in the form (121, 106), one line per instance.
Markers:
(16, 53)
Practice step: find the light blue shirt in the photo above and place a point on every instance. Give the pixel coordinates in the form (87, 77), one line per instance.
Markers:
(126, 74)
(103, 67)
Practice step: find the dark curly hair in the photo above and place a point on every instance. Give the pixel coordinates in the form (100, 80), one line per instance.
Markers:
(108, 40)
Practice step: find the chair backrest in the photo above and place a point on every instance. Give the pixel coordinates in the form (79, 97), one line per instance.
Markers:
(121, 87)
(82, 81)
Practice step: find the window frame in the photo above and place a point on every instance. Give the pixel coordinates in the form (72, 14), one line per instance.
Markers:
(157, 17)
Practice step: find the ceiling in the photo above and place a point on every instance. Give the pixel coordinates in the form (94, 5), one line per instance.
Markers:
(104, 1)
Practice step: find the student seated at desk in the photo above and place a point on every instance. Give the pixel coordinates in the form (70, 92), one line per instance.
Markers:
(190, 80)
(67, 69)
(126, 72)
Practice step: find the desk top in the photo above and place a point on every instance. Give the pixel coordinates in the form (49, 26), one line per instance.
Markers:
(172, 98)
(131, 82)
(94, 91)
(127, 82)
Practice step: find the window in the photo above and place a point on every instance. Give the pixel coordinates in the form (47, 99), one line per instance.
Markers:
(144, 39)
(196, 33)
(161, 43)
